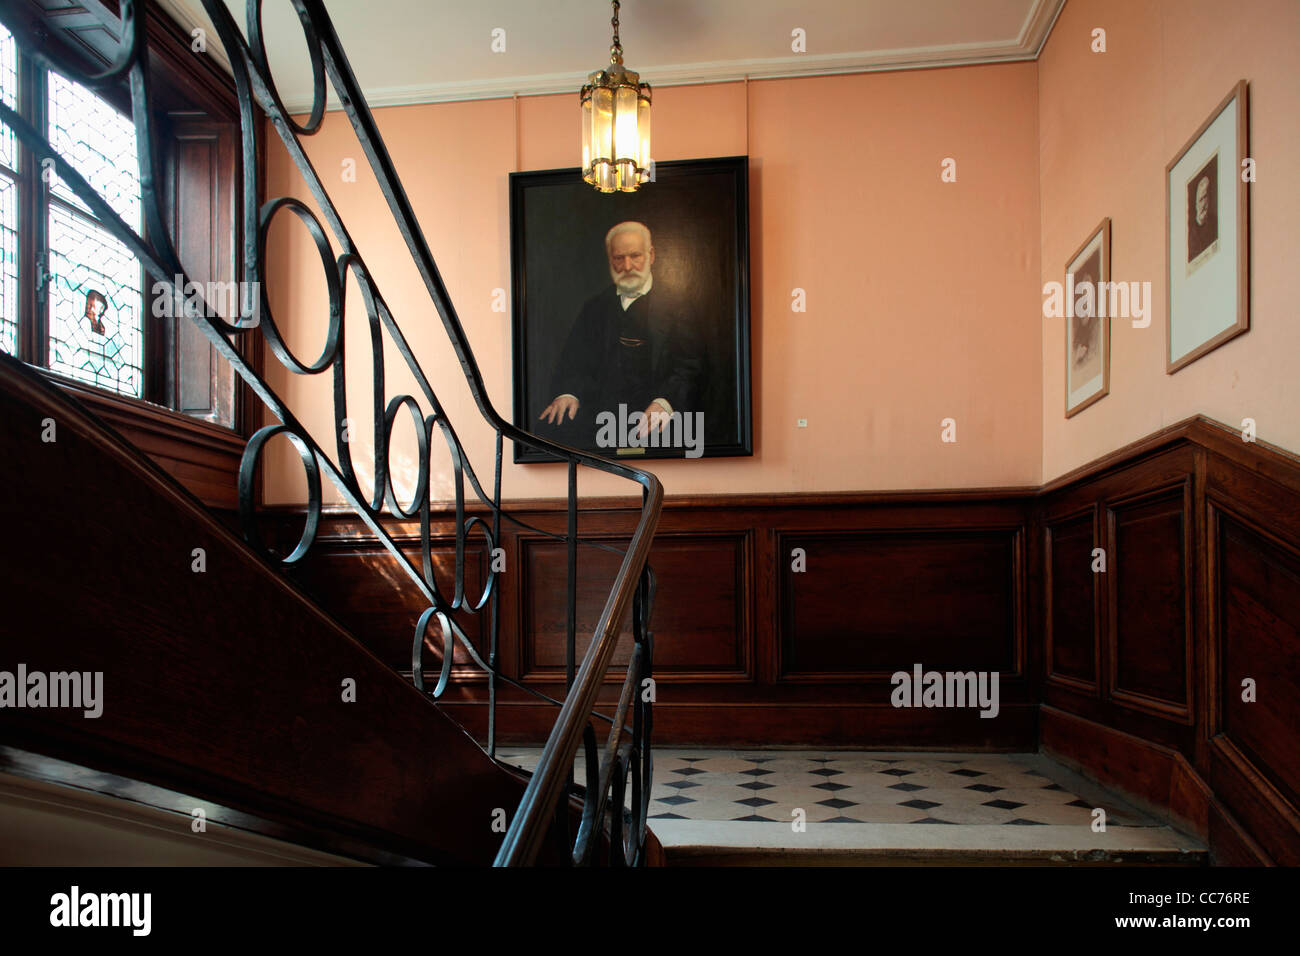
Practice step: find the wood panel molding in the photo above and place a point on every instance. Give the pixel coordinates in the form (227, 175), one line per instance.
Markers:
(1151, 600)
(1071, 601)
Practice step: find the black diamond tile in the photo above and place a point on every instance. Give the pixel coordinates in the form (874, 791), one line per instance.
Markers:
(983, 788)
(757, 785)
(756, 772)
(1017, 822)
(692, 759)
(883, 760)
(1079, 803)
(842, 819)
(676, 800)
(967, 772)
(897, 772)
(755, 802)
(755, 818)
(668, 816)
(906, 787)
(689, 771)
(1054, 786)
(760, 759)
(682, 784)
(931, 820)
(832, 787)
(1003, 804)
(825, 772)
(836, 803)
(1034, 773)
(919, 804)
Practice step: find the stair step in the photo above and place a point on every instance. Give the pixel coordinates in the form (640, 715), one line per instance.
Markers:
(738, 843)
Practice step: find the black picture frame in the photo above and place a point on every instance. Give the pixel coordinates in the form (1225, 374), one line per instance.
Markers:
(697, 212)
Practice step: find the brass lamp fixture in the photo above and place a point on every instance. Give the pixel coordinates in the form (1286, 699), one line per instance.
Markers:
(615, 125)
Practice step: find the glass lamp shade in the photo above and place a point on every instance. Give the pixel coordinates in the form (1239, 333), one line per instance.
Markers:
(615, 130)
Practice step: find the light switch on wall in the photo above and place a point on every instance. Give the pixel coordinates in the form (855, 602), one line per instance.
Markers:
(802, 423)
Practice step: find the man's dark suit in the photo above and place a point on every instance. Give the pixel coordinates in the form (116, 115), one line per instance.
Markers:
(630, 357)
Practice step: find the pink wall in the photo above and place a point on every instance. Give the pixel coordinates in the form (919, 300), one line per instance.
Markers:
(1108, 124)
(922, 296)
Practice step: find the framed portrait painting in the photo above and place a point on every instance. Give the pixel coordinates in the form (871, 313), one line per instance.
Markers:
(1207, 233)
(1087, 322)
(630, 330)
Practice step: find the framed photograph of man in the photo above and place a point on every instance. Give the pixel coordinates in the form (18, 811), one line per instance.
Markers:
(1208, 235)
(631, 312)
(1087, 322)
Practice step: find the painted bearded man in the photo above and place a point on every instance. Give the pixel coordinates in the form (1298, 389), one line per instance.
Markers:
(631, 345)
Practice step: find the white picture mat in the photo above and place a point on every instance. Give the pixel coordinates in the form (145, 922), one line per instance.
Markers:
(1205, 303)
(1080, 391)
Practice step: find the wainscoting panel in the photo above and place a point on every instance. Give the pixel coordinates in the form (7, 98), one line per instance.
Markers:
(1149, 602)
(1258, 641)
(1070, 596)
(862, 606)
(1201, 591)
(700, 619)
(748, 652)
(1253, 582)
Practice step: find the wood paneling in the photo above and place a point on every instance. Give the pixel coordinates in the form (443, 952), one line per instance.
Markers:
(1148, 600)
(1259, 640)
(747, 652)
(1202, 589)
(699, 621)
(856, 606)
(1070, 600)
(1154, 777)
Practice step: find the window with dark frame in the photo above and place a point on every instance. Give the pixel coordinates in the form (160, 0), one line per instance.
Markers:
(73, 299)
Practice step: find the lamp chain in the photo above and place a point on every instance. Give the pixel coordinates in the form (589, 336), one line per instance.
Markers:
(616, 51)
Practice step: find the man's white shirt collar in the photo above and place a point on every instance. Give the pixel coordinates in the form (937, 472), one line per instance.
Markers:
(627, 298)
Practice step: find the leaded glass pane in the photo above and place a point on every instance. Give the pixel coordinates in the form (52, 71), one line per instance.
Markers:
(8, 265)
(95, 302)
(8, 93)
(95, 305)
(99, 142)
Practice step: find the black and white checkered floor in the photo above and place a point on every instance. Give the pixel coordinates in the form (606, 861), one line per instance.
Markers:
(841, 787)
(754, 807)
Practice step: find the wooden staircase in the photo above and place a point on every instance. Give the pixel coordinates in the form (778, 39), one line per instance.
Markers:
(225, 684)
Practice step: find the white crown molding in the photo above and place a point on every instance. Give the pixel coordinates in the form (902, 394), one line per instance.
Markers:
(1039, 23)
(1027, 45)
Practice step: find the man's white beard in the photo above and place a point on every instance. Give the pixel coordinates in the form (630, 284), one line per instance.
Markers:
(629, 282)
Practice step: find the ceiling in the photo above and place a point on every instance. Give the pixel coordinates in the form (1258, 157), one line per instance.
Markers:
(423, 51)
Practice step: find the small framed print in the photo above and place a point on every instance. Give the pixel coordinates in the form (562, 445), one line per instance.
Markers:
(1207, 231)
(1087, 322)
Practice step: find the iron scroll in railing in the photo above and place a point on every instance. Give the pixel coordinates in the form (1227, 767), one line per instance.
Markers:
(627, 751)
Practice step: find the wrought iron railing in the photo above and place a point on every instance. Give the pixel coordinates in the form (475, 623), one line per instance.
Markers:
(545, 806)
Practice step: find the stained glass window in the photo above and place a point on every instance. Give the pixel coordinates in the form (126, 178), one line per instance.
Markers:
(8, 199)
(71, 295)
(86, 263)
